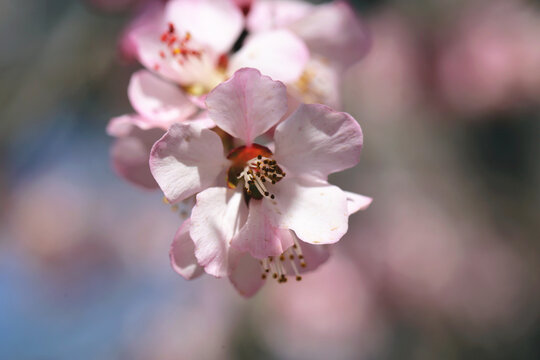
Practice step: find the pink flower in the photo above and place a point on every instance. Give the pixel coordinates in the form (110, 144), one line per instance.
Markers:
(255, 206)
(158, 105)
(332, 30)
(333, 34)
(189, 42)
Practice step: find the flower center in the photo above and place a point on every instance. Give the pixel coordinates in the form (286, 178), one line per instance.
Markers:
(254, 165)
(286, 264)
(177, 47)
(201, 70)
(315, 84)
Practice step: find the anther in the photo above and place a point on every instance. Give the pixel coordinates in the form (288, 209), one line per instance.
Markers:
(298, 250)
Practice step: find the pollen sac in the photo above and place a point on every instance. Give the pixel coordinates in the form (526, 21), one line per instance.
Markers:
(240, 157)
(254, 165)
(176, 46)
(286, 265)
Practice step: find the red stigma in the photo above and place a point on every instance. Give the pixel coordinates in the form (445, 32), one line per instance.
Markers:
(177, 45)
(223, 61)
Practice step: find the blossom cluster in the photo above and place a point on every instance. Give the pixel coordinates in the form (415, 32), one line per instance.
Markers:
(234, 119)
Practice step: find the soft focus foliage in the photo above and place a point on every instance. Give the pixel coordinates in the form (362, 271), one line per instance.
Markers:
(443, 265)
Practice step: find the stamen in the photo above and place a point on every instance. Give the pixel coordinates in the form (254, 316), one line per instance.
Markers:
(177, 46)
(298, 250)
(265, 268)
(296, 272)
(258, 171)
(272, 267)
(282, 272)
(278, 268)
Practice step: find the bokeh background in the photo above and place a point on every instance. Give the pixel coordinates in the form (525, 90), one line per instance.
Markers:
(444, 265)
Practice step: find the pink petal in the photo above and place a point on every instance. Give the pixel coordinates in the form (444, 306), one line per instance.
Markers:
(269, 52)
(182, 253)
(245, 273)
(316, 140)
(357, 202)
(334, 32)
(320, 84)
(315, 256)
(260, 236)
(131, 151)
(158, 100)
(275, 14)
(148, 47)
(123, 125)
(248, 104)
(314, 210)
(151, 14)
(202, 120)
(186, 160)
(215, 219)
(144, 39)
(215, 23)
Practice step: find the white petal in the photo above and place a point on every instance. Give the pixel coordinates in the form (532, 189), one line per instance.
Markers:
(248, 104)
(131, 150)
(261, 236)
(357, 202)
(342, 40)
(215, 219)
(316, 140)
(182, 253)
(269, 52)
(275, 14)
(316, 211)
(158, 100)
(186, 160)
(216, 23)
(245, 273)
